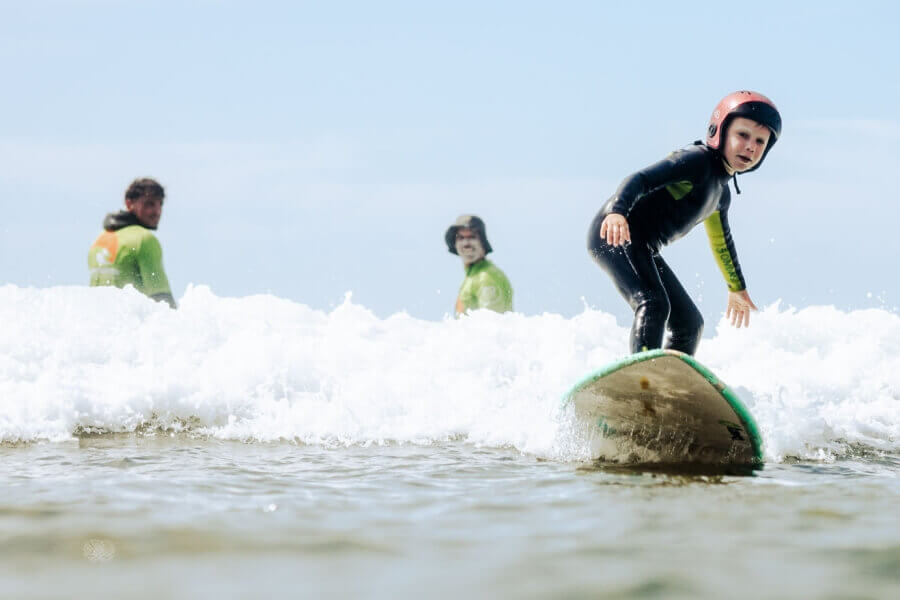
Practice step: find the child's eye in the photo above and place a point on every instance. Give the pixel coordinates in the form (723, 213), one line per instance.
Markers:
(744, 135)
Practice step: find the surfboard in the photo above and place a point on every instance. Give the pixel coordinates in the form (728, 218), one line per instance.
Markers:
(662, 406)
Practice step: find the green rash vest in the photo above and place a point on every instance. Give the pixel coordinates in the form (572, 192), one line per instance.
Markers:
(128, 253)
(485, 286)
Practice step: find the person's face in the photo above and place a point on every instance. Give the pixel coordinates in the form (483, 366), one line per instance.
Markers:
(745, 143)
(468, 246)
(148, 210)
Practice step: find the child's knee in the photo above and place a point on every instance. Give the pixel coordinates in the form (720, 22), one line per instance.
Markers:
(653, 306)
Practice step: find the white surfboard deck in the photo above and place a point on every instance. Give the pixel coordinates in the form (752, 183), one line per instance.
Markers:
(662, 406)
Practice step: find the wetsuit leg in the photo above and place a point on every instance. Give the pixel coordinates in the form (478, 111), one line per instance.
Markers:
(685, 322)
(634, 273)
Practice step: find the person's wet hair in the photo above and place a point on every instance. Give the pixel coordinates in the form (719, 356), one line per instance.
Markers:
(144, 187)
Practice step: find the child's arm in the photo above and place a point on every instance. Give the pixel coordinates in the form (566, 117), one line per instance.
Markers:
(722, 245)
(684, 166)
(690, 165)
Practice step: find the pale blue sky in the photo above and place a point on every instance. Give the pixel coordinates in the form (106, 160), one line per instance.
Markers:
(310, 149)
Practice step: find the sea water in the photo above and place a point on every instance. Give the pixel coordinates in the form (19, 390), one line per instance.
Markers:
(255, 447)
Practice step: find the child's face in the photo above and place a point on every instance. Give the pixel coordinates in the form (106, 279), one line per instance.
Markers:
(745, 143)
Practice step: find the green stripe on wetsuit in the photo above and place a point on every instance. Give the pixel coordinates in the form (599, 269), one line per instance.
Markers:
(717, 241)
(680, 190)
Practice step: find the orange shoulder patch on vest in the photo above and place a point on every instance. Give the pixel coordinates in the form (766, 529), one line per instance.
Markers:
(108, 241)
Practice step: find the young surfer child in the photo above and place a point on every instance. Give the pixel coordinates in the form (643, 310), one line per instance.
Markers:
(663, 202)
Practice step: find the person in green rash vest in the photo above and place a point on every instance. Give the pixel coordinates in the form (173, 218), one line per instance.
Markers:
(127, 252)
(485, 286)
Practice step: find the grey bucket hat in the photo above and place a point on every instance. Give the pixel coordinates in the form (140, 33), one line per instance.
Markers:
(469, 222)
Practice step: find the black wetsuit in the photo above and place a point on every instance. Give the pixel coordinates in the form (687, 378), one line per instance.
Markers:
(663, 203)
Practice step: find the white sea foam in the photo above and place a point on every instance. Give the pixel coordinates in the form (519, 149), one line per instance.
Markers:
(820, 382)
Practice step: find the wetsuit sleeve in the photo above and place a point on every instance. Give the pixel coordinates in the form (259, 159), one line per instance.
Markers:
(154, 281)
(719, 234)
(683, 166)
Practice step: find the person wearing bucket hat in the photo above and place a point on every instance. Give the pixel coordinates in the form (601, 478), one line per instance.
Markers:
(485, 285)
(663, 202)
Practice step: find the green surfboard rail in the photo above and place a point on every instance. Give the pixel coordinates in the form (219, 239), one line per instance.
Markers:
(747, 420)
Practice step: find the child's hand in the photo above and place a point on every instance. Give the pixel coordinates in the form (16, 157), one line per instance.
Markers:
(615, 229)
(739, 307)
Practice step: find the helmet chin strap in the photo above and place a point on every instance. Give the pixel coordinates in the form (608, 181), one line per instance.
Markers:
(734, 173)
